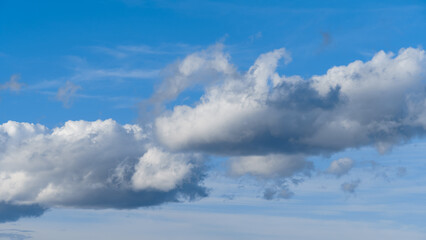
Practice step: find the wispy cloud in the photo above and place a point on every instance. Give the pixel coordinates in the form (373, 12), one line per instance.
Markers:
(110, 51)
(350, 187)
(13, 84)
(96, 74)
(66, 93)
(123, 51)
(255, 36)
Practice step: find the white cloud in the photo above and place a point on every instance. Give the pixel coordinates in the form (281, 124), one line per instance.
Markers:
(90, 164)
(340, 166)
(227, 113)
(265, 122)
(385, 72)
(163, 171)
(379, 102)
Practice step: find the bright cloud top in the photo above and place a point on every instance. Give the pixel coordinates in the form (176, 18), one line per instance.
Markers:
(163, 171)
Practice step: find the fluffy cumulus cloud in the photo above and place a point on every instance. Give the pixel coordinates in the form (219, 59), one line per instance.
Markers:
(268, 121)
(164, 171)
(267, 124)
(99, 164)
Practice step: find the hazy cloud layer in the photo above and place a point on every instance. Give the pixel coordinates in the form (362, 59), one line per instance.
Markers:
(14, 236)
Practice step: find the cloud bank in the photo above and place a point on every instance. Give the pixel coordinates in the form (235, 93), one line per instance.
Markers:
(266, 124)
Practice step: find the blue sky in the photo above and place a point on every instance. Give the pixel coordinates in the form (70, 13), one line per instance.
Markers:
(212, 119)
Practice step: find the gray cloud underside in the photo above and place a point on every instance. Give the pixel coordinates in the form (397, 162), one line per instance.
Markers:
(12, 212)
